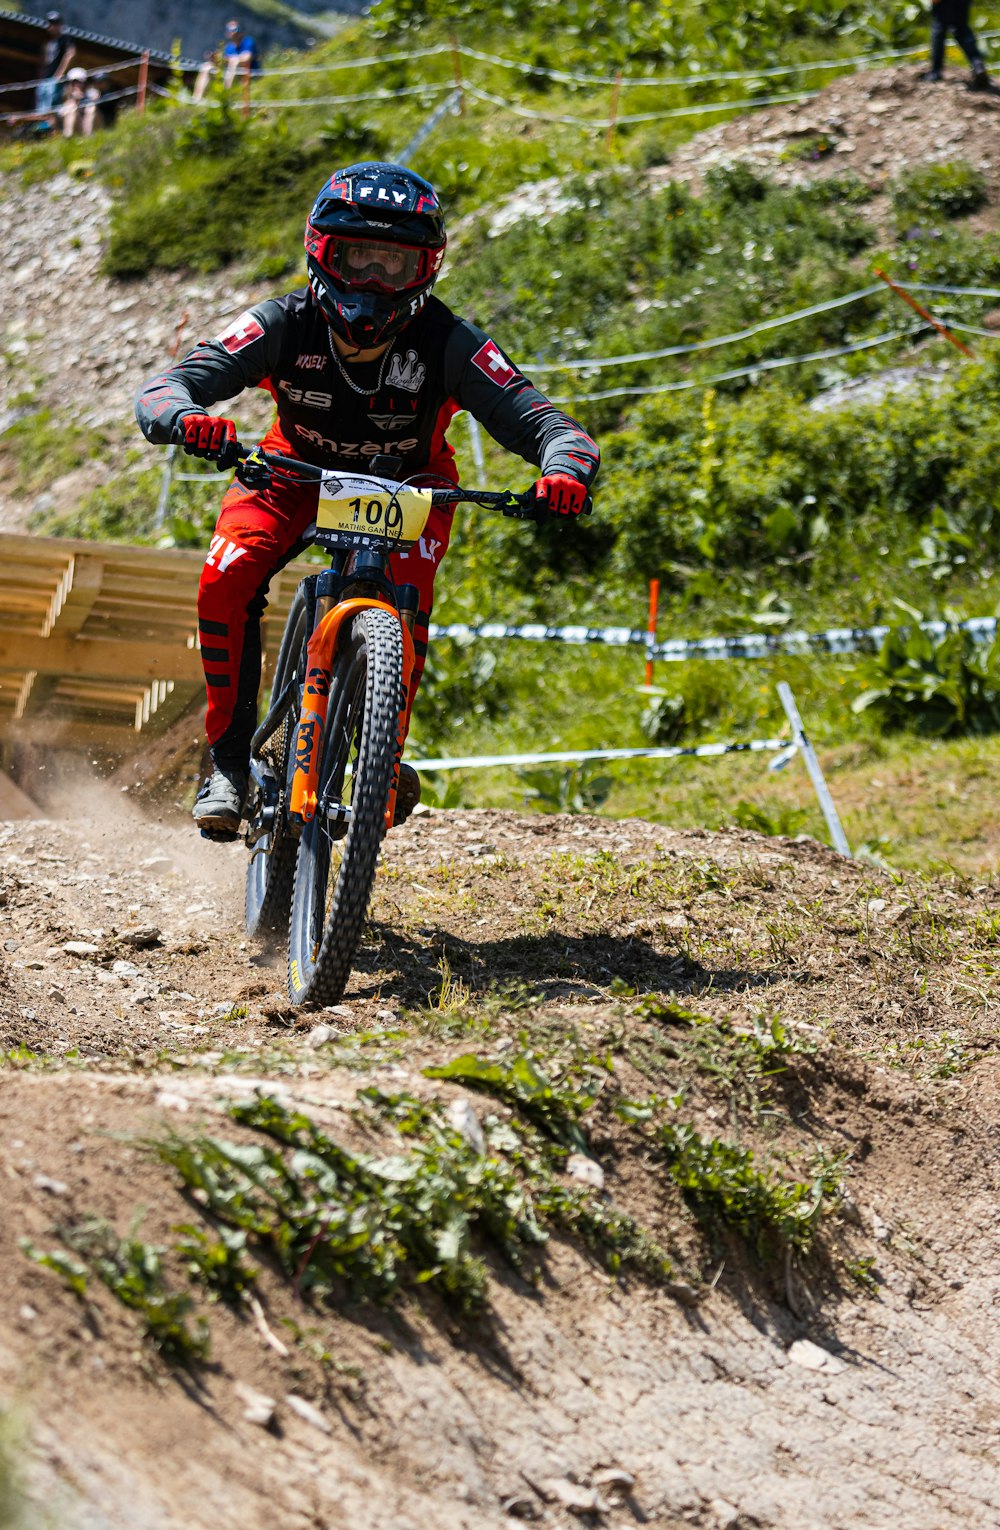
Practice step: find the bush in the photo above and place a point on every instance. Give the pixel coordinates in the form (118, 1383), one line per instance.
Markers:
(940, 687)
(930, 192)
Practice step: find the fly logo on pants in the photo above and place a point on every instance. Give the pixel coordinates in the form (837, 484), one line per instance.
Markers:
(428, 548)
(223, 554)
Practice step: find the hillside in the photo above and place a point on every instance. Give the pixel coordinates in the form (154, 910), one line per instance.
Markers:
(751, 1381)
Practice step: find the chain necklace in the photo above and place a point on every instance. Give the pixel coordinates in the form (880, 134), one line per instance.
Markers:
(364, 392)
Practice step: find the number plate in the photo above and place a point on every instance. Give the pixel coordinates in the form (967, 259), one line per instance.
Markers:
(371, 507)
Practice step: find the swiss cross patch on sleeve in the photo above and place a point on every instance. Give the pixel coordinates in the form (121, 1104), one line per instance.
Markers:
(494, 365)
(241, 332)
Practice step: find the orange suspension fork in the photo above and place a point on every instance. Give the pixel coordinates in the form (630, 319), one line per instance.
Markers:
(316, 700)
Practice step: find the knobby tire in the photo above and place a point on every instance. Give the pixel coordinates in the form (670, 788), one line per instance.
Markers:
(330, 901)
(271, 872)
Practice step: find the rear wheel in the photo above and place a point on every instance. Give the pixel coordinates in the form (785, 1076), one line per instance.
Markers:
(338, 851)
(271, 872)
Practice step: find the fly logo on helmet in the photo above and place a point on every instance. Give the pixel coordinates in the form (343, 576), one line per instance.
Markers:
(375, 240)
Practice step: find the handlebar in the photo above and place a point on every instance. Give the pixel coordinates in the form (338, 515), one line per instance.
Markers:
(256, 468)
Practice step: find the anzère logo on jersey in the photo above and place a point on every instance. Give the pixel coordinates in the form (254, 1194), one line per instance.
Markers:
(408, 374)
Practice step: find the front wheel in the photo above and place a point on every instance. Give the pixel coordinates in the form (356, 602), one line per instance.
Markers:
(334, 872)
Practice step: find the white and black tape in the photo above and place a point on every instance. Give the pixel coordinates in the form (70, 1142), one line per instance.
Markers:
(578, 756)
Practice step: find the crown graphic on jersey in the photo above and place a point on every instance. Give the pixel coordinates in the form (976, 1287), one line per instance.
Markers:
(408, 373)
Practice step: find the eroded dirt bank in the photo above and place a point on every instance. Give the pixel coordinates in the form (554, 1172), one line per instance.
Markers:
(762, 993)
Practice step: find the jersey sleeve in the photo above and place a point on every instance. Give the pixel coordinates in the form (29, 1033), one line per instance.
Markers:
(481, 378)
(240, 357)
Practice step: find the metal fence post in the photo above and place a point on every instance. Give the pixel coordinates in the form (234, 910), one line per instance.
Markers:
(476, 442)
(816, 776)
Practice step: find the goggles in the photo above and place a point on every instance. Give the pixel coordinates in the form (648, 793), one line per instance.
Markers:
(376, 265)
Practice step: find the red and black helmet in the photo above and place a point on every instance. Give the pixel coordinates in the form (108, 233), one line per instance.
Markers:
(375, 241)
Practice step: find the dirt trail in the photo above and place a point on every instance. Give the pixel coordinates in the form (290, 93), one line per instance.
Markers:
(132, 1005)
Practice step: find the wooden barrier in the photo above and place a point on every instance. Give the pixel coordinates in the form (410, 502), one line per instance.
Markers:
(99, 641)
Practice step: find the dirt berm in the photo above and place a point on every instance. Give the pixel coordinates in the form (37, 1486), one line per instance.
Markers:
(701, 1229)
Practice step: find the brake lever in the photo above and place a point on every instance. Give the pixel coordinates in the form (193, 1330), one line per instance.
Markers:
(253, 472)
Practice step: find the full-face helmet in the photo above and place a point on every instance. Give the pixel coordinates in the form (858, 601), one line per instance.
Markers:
(374, 241)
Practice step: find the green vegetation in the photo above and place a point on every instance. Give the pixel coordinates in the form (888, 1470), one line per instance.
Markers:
(927, 192)
(133, 1272)
(754, 510)
(722, 1182)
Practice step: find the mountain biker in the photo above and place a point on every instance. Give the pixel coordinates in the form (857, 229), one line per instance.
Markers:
(362, 362)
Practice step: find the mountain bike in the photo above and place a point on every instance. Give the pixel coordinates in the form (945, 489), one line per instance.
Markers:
(325, 760)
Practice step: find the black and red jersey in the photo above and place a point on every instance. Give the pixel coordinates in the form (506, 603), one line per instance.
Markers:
(339, 415)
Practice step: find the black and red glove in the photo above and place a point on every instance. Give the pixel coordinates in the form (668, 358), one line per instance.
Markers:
(561, 495)
(206, 435)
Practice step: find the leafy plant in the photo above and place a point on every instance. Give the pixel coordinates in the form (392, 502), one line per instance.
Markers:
(939, 686)
(577, 789)
(554, 1109)
(722, 1181)
(133, 1272)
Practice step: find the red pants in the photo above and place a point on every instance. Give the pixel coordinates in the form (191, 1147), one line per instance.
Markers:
(258, 532)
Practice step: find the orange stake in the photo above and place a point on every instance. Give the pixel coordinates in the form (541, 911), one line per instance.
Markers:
(654, 606)
(246, 90)
(942, 329)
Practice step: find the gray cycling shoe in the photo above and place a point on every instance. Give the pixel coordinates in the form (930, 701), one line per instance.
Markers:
(407, 794)
(218, 807)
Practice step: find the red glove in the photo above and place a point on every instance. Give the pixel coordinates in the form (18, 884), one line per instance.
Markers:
(205, 435)
(560, 494)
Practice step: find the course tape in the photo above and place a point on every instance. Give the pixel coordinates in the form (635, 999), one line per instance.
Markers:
(595, 364)
(537, 632)
(974, 329)
(603, 123)
(861, 61)
(267, 103)
(572, 756)
(771, 365)
(990, 292)
(749, 645)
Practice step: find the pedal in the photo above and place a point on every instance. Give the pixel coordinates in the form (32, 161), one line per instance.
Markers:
(221, 836)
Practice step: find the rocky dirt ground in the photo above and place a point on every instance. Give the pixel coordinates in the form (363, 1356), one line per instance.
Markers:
(854, 1386)
(876, 123)
(70, 334)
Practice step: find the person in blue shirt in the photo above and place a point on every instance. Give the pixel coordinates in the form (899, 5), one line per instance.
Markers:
(239, 53)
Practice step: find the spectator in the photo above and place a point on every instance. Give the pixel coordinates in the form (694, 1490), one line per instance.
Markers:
(207, 69)
(71, 112)
(57, 55)
(100, 106)
(239, 53)
(953, 16)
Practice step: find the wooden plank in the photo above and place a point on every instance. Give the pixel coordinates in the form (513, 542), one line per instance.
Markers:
(86, 577)
(99, 658)
(16, 547)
